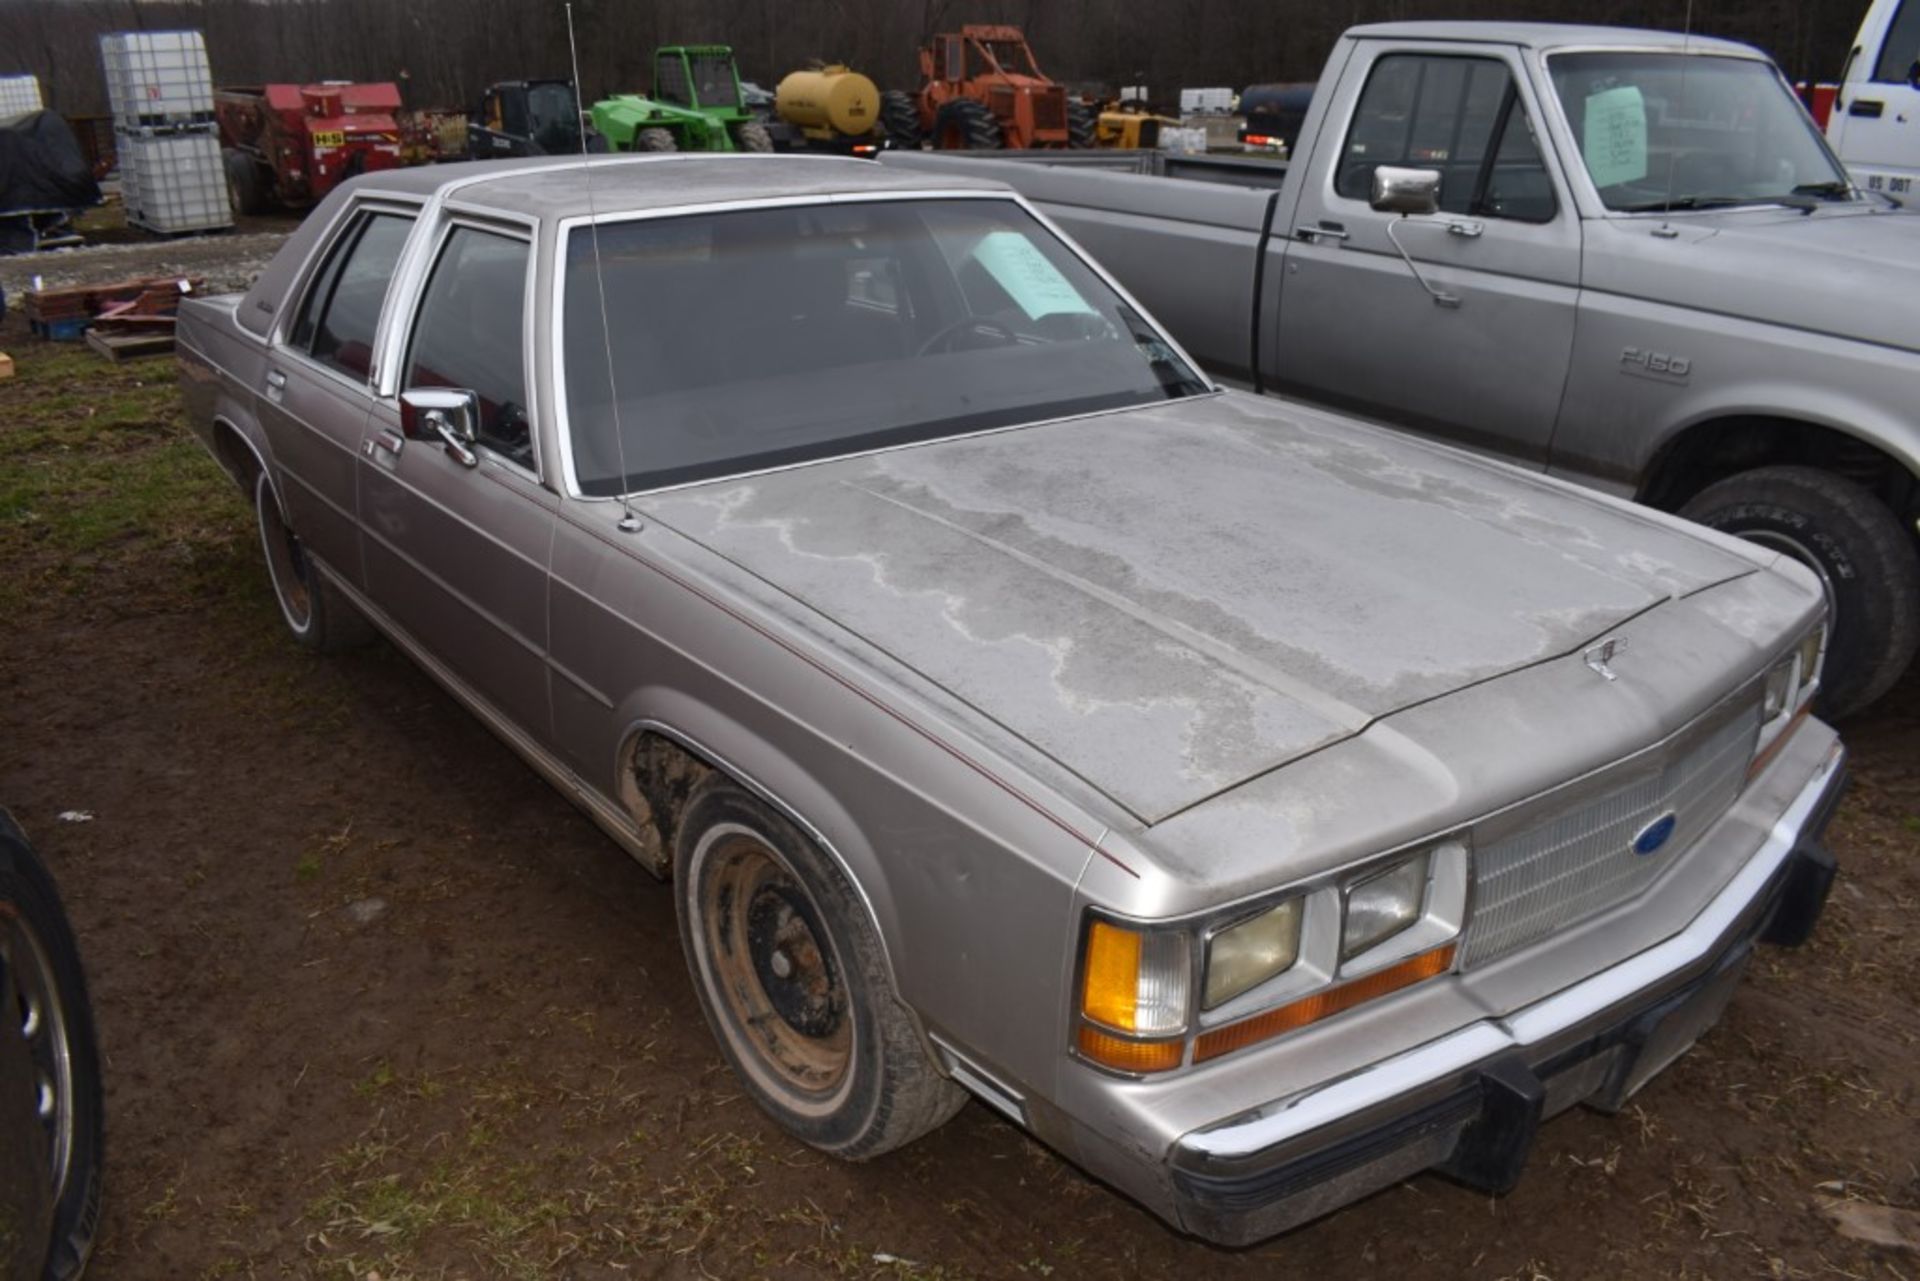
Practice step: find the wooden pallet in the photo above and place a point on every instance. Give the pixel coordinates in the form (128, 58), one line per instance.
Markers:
(130, 346)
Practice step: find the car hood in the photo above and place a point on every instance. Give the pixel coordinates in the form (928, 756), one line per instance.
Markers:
(1852, 271)
(1171, 601)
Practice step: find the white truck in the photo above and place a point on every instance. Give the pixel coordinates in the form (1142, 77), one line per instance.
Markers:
(1875, 122)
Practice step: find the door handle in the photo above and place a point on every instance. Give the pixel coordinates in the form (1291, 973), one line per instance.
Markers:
(387, 441)
(1871, 108)
(1324, 231)
(276, 379)
(1467, 230)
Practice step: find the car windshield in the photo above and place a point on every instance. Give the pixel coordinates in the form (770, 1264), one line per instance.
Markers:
(736, 341)
(1664, 131)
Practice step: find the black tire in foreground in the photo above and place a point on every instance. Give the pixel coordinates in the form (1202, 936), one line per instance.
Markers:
(790, 973)
(1080, 125)
(751, 135)
(51, 1111)
(654, 140)
(966, 125)
(900, 119)
(318, 615)
(1866, 561)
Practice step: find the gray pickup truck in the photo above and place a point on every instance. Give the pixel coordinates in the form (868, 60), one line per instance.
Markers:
(1623, 257)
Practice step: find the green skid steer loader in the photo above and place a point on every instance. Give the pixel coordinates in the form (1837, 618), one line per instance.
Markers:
(696, 106)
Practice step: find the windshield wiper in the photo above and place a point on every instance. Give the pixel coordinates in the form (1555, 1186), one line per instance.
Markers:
(1687, 202)
(1835, 190)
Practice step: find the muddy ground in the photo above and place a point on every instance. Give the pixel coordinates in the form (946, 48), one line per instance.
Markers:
(375, 1000)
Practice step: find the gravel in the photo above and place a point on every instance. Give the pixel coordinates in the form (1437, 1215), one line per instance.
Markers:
(227, 262)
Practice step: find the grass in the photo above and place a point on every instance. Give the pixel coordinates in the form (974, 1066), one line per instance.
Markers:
(100, 480)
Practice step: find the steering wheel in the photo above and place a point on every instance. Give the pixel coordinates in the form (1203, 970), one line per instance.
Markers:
(968, 324)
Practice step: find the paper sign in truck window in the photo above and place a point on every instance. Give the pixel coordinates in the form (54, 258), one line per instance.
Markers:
(1029, 279)
(1615, 145)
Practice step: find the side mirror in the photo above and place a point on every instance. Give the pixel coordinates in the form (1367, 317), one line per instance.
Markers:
(447, 414)
(1405, 191)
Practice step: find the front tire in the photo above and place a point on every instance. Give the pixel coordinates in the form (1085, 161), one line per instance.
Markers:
(751, 135)
(315, 611)
(789, 971)
(966, 125)
(1865, 560)
(43, 999)
(1080, 126)
(654, 140)
(900, 119)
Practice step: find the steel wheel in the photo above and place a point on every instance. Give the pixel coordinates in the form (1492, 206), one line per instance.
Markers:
(35, 999)
(771, 958)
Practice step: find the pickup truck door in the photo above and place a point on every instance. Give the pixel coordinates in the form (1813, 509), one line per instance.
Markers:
(457, 541)
(316, 387)
(1357, 328)
(1875, 126)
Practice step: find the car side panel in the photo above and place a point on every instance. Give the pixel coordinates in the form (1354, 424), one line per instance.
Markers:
(969, 883)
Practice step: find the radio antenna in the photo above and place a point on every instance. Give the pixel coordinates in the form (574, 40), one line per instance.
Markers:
(629, 519)
(1673, 155)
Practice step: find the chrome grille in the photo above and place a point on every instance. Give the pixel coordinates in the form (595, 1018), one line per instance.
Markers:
(1579, 860)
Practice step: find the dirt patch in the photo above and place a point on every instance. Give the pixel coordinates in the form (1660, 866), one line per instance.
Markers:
(227, 260)
(374, 998)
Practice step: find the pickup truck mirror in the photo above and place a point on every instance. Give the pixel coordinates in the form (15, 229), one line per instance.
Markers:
(1405, 191)
(448, 414)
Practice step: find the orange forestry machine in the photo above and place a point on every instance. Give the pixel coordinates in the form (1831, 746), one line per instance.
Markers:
(292, 144)
(981, 89)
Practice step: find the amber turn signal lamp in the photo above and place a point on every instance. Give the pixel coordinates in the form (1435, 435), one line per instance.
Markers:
(1321, 1005)
(1129, 1056)
(1111, 991)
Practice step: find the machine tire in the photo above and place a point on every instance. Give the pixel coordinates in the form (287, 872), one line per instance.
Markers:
(243, 182)
(317, 614)
(1867, 562)
(900, 119)
(654, 140)
(44, 974)
(966, 125)
(751, 135)
(1080, 125)
(790, 973)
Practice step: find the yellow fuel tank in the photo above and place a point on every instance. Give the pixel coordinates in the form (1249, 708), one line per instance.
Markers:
(832, 98)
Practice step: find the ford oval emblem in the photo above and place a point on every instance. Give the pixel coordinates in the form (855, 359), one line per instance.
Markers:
(1655, 834)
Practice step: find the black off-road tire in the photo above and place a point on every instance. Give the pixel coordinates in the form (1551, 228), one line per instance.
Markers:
(654, 140)
(751, 135)
(1866, 560)
(317, 614)
(966, 125)
(823, 1044)
(1080, 125)
(243, 183)
(31, 919)
(900, 119)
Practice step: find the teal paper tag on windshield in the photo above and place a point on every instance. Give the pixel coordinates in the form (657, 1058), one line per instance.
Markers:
(1018, 267)
(1615, 145)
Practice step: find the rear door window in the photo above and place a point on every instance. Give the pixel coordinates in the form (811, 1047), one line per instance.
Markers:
(340, 315)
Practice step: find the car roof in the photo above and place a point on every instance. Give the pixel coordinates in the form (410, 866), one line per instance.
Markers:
(556, 187)
(1546, 36)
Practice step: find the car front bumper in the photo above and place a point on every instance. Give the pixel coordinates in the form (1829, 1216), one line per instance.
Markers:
(1469, 1104)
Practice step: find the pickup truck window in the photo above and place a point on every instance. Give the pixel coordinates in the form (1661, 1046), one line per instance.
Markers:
(341, 311)
(1901, 48)
(1462, 116)
(470, 333)
(732, 342)
(1665, 131)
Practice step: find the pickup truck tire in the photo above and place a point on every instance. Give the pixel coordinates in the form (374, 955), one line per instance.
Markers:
(318, 615)
(42, 985)
(1080, 126)
(1865, 560)
(966, 125)
(789, 971)
(654, 140)
(900, 119)
(751, 135)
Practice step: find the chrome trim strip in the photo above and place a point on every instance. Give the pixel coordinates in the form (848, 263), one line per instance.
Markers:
(1458, 1051)
(981, 1083)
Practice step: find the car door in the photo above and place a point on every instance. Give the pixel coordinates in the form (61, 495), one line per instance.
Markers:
(316, 387)
(457, 549)
(1484, 364)
(1875, 125)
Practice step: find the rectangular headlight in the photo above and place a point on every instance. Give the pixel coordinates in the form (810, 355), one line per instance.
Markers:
(1248, 953)
(1384, 904)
